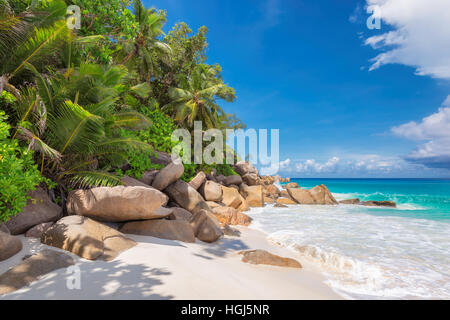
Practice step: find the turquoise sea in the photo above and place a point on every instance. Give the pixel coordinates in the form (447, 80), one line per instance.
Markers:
(370, 252)
(416, 198)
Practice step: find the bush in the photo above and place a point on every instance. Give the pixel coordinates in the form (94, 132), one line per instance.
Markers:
(18, 173)
(159, 134)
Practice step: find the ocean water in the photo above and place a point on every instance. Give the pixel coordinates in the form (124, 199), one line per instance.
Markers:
(367, 252)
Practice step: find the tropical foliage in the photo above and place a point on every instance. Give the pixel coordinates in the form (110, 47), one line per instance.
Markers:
(91, 104)
(18, 173)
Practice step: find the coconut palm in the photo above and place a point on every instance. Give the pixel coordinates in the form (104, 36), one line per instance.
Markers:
(196, 99)
(30, 37)
(73, 124)
(139, 53)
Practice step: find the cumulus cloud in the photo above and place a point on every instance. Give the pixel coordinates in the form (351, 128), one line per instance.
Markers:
(313, 166)
(285, 164)
(420, 37)
(355, 165)
(274, 168)
(434, 132)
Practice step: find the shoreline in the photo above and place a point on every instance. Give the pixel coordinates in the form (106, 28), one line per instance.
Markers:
(194, 271)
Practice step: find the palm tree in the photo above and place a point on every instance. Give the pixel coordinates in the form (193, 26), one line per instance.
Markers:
(30, 37)
(196, 99)
(73, 122)
(72, 116)
(140, 52)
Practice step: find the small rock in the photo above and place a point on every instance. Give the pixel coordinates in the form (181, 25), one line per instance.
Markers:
(391, 204)
(198, 180)
(233, 179)
(229, 231)
(211, 191)
(231, 197)
(9, 245)
(168, 175)
(251, 179)
(264, 257)
(231, 216)
(186, 196)
(206, 226)
(254, 196)
(350, 201)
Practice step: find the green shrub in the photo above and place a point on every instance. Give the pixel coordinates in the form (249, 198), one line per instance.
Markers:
(189, 172)
(225, 169)
(18, 173)
(159, 134)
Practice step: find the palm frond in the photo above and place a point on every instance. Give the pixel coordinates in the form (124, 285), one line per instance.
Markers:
(129, 120)
(73, 128)
(37, 144)
(89, 179)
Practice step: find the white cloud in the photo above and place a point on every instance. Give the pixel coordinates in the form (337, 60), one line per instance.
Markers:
(312, 166)
(421, 35)
(275, 167)
(435, 130)
(355, 165)
(285, 164)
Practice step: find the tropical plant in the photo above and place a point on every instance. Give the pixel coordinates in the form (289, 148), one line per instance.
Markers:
(74, 123)
(196, 99)
(18, 173)
(30, 37)
(141, 51)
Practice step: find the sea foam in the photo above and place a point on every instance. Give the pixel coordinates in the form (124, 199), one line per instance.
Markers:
(364, 255)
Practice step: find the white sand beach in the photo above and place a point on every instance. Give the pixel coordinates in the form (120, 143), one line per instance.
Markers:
(165, 269)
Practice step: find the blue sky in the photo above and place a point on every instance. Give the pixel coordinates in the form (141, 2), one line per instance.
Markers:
(308, 69)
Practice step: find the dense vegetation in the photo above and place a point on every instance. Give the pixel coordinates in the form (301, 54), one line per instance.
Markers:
(81, 107)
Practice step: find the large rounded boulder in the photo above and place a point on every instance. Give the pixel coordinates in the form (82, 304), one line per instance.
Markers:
(117, 204)
(86, 238)
(39, 209)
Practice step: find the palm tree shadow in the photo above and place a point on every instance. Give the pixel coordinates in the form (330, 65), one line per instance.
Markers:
(98, 280)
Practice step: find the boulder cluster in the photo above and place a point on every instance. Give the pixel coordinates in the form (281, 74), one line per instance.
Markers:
(96, 221)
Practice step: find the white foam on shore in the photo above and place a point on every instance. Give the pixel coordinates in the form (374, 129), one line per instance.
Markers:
(362, 255)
